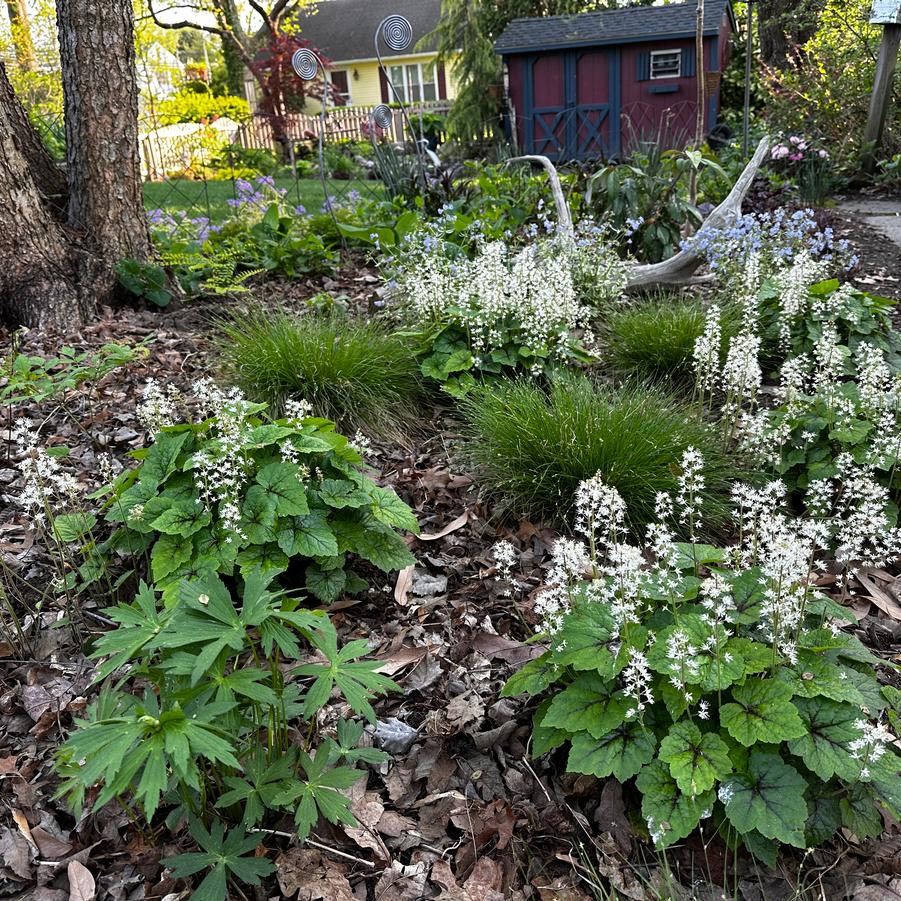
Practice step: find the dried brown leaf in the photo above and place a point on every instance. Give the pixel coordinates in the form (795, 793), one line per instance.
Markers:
(81, 883)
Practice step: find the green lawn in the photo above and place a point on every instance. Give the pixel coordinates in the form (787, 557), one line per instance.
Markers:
(210, 198)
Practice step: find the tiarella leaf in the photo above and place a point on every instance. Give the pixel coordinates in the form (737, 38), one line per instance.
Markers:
(670, 814)
(544, 738)
(697, 761)
(587, 705)
(585, 639)
(620, 753)
(860, 813)
(829, 730)
(388, 508)
(769, 797)
(761, 712)
(282, 481)
(533, 678)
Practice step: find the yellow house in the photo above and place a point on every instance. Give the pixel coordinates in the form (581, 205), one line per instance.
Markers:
(343, 33)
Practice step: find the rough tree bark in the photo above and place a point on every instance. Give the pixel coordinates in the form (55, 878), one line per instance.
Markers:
(100, 93)
(782, 25)
(41, 273)
(55, 272)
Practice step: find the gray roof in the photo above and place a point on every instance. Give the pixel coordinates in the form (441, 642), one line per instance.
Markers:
(345, 29)
(613, 26)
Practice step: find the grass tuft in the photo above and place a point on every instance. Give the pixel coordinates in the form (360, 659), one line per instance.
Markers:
(350, 370)
(654, 338)
(532, 447)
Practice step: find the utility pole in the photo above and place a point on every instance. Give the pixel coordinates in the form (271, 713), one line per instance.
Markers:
(749, 53)
(888, 14)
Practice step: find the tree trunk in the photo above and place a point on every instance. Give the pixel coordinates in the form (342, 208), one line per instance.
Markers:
(49, 178)
(100, 94)
(234, 65)
(784, 24)
(43, 277)
(21, 33)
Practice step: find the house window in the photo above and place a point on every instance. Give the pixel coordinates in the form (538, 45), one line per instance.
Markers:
(666, 63)
(338, 78)
(414, 82)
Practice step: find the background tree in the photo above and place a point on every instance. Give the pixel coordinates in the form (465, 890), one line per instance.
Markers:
(60, 241)
(783, 25)
(20, 29)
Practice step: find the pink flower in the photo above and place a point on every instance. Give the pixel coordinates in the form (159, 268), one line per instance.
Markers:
(824, 155)
(796, 157)
(795, 139)
(779, 152)
(802, 145)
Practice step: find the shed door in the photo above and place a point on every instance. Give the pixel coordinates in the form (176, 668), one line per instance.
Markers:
(571, 104)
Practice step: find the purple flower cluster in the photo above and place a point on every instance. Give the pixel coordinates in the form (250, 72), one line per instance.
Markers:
(179, 224)
(779, 236)
(257, 194)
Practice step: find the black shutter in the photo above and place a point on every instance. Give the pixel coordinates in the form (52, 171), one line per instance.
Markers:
(643, 66)
(688, 62)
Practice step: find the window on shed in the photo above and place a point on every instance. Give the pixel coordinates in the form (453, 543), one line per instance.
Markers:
(666, 63)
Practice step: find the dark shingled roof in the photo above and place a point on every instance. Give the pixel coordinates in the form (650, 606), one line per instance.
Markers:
(345, 29)
(614, 26)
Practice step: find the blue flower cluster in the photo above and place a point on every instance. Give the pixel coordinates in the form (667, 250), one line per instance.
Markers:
(779, 236)
(196, 229)
(257, 194)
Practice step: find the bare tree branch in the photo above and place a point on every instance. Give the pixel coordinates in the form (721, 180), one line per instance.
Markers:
(197, 26)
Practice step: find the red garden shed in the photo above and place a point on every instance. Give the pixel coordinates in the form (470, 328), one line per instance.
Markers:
(588, 85)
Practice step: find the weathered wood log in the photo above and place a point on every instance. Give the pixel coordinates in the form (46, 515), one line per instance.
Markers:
(679, 269)
(564, 217)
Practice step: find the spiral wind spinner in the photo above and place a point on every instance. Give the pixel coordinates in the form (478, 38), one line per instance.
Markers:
(307, 64)
(381, 116)
(397, 33)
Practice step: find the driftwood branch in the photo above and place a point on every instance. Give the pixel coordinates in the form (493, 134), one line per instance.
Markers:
(680, 269)
(564, 217)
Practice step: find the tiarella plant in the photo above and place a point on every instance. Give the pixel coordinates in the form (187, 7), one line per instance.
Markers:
(213, 716)
(718, 679)
(234, 493)
(504, 309)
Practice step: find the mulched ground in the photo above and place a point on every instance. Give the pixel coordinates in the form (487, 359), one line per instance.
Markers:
(460, 812)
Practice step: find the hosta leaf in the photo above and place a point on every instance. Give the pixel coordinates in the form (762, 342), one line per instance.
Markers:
(670, 814)
(587, 705)
(696, 760)
(621, 753)
(282, 481)
(768, 798)
(824, 747)
(761, 711)
(388, 508)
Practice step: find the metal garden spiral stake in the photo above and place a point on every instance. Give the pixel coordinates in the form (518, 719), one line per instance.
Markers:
(306, 64)
(397, 33)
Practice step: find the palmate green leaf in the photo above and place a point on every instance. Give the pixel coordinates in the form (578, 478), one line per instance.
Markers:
(696, 760)
(585, 638)
(282, 481)
(823, 816)
(545, 738)
(533, 678)
(162, 456)
(829, 729)
(375, 542)
(183, 518)
(769, 797)
(223, 855)
(620, 753)
(71, 527)
(307, 536)
(761, 711)
(325, 584)
(342, 493)
(258, 515)
(860, 812)
(265, 558)
(169, 553)
(815, 675)
(587, 705)
(671, 815)
(346, 747)
(388, 508)
(258, 787)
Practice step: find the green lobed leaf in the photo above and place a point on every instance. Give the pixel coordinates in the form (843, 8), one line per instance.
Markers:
(620, 753)
(670, 814)
(587, 705)
(697, 760)
(829, 729)
(761, 711)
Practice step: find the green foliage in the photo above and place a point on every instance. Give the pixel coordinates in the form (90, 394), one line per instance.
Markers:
(351, 370)
(27, 378)
(210, 738)
(235, 493)
(533, 446)
(653, 338)
(682, 675)
(147, 280)
(188, 106)
(235, 161)
(646, 196)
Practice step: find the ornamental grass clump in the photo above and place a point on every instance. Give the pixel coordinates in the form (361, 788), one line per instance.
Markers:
(351, 370)
(718, 679)
(533, 446)
(654, 338)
